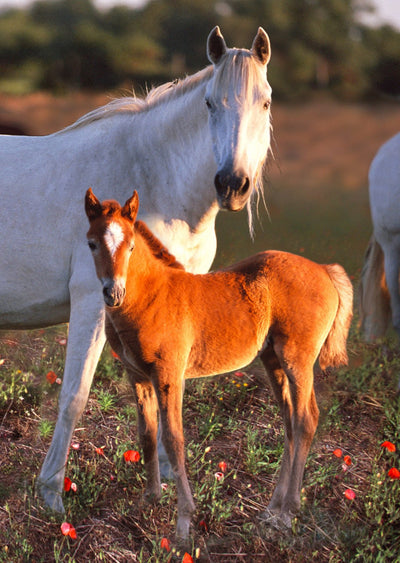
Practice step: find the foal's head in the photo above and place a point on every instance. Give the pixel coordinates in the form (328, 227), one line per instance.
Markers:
(111, 240)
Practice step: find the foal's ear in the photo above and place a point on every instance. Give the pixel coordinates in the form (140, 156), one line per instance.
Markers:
(261, 47)
(131, 207)
(216, 46)
(92, 205)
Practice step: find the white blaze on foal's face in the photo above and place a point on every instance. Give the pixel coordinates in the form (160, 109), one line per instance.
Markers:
(113, 237)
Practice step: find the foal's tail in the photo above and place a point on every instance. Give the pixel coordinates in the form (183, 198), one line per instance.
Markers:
(333, 352)
(373, 297)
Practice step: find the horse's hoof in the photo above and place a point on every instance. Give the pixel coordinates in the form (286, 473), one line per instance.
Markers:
(281, 521)
(166, 470)
(51, 499)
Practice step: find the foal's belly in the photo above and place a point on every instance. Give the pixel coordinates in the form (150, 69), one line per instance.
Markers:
(226, 360)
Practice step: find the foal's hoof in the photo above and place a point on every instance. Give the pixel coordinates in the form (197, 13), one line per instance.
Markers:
(51, 498)
(152, 497)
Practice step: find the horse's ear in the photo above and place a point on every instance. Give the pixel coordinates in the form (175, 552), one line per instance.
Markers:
(261, 47)
(92, 205)
(216, 46)
(131, 207)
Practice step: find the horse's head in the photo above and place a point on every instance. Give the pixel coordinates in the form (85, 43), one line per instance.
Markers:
(111, 240)
(238, 99)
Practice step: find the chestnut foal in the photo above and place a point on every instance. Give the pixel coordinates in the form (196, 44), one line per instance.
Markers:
(167, 324)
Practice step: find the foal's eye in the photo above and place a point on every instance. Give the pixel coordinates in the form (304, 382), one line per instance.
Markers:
(92, 245)
(267, 105)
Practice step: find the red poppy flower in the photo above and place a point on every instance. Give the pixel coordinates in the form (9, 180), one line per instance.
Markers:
(394, 473)
(131, 455)
(67, 483)
(166, 544)
(203, 524)
(68, 530)
(99, 451)
(347, 460)
(338, 452)
(239, 374)
(223, 466)
(51, 377)
(187, 558)
(219, 475)
(349, 494)
(115, 355)
(389, 446)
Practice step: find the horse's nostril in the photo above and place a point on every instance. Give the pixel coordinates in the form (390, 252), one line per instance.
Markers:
(245, 185)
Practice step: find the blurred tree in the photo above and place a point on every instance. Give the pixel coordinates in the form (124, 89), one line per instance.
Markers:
(317, 44)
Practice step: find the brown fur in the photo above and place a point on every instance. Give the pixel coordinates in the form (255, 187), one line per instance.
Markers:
(174, 325)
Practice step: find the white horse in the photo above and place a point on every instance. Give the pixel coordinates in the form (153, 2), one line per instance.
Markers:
(379, 296)
(191, 148)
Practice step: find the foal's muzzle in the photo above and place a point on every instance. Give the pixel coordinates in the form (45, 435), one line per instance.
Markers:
(233, 190)
(113, 293)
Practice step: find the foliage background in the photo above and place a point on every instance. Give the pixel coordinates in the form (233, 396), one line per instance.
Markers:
(317, 45)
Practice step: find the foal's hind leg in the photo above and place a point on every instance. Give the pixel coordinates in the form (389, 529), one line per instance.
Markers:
(293, 389)
(146, 402)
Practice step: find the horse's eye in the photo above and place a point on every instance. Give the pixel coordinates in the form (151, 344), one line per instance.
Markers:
(208, 103)
(267, 105)
(92, 245)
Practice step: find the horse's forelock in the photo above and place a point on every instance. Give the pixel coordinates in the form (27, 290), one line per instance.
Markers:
(239, 68)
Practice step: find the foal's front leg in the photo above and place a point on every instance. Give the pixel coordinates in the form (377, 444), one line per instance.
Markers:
(170, 396)
(146, 402)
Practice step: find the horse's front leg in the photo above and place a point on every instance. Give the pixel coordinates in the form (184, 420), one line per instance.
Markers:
(146, 402)
(170, 394)
(86, 340)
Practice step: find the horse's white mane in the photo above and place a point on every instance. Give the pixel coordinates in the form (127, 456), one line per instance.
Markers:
(235, 66)
(134, 104)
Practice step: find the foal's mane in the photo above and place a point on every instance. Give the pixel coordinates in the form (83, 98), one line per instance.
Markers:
(156, 247)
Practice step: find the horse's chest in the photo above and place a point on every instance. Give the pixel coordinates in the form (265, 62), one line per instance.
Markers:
(195, 250)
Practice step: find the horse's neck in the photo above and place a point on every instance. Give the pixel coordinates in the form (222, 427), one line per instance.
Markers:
(178, 146)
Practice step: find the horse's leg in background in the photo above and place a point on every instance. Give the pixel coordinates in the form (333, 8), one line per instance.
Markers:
(147, 406)
(170, 396)
(373, 295)
(391, 252)
(294, 390)
(86, 340)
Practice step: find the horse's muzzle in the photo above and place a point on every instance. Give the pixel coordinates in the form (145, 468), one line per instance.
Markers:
(233, 190)
(113, 293)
